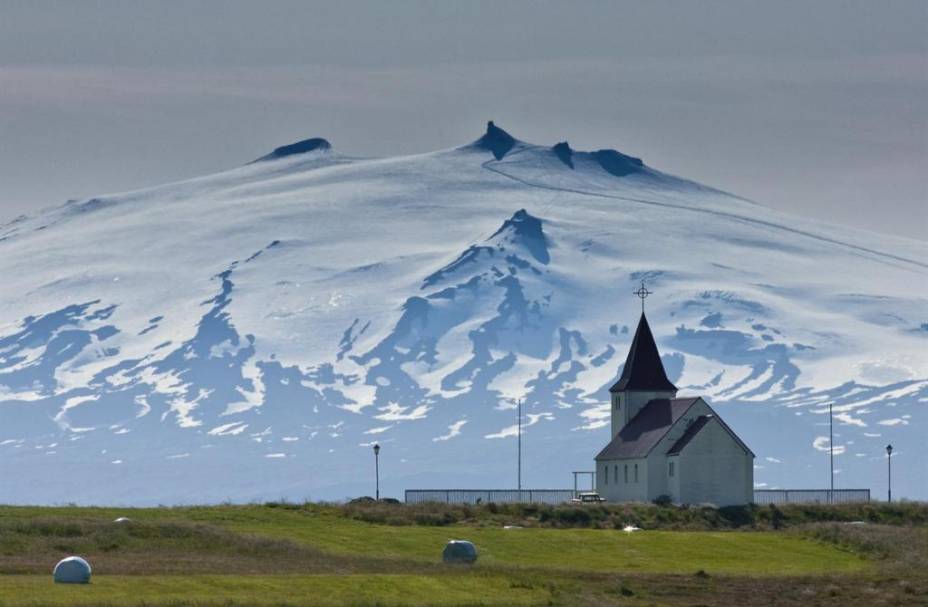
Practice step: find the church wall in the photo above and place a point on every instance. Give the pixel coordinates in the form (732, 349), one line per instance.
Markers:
(621, 491)
(673, 482)
(605, 484)
(657, 474)
(713, 468)
(618, 412)
(661, 483)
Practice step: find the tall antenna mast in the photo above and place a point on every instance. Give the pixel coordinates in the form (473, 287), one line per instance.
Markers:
(520, 450)
(831, 449)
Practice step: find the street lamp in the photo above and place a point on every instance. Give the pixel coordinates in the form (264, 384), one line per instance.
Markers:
(377, 469)
(889, 473)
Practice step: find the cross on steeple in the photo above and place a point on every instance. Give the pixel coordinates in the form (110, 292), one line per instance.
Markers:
(643, 294)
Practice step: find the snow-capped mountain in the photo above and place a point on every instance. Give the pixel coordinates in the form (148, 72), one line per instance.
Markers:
(248, 335)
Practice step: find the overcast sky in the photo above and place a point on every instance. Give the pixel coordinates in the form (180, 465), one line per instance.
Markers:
(818, 108)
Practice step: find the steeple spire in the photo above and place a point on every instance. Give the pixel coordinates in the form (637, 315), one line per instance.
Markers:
(643, 369)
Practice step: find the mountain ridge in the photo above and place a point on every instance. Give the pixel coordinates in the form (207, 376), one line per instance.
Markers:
(251, 333)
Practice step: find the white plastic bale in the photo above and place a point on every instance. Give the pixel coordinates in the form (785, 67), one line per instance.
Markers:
(459, 551)
(72, 570)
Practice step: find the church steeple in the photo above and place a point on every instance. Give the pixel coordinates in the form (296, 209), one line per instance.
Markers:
(643, 369)
(643, 378)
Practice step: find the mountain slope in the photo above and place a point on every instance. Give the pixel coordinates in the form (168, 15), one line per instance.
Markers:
(248, 335)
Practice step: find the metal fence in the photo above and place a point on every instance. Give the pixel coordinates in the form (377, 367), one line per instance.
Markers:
(559, 496)
(486, 496)
(810, 496)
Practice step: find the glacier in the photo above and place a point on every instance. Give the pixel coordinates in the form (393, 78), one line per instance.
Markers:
(249, 335)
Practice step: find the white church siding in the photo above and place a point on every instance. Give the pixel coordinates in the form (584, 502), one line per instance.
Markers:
(657, 475)
(673, 482)
(661, 484)
(636, 489)
(715, 469)
(604, 485)
(619, 490)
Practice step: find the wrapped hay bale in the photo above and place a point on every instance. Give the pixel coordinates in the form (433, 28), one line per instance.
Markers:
(459, 551)
(72, 570)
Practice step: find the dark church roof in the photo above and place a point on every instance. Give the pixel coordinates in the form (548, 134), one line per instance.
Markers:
(647, 428)
(643, 369)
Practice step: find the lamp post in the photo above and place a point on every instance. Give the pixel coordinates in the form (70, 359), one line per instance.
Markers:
(377, 470)
(889, 473)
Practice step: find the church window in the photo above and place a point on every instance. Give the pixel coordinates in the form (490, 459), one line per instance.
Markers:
(606, 475)
(670, 469)
(636, 473)
(626, 474)
(615, 474)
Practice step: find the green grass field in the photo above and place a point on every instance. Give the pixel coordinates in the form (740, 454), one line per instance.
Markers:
(566, 549)
(324, 590)
(325, 555)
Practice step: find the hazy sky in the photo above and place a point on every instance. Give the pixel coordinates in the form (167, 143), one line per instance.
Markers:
(819, 108)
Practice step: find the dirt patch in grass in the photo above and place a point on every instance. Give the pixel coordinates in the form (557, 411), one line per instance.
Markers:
(897, 550)
(745, 591)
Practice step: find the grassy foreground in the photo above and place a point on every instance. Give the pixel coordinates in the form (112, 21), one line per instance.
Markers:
(331, 555)
(324, 590)
(731, 552)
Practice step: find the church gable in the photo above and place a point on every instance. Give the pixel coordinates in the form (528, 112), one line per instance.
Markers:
(692, 429)
(696, 420)
(721, 422)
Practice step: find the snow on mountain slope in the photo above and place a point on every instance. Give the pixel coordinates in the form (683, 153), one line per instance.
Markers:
(249, 335)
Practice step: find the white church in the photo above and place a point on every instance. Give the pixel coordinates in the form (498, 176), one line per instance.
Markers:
(667, 446)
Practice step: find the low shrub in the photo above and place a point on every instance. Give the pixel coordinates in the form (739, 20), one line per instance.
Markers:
(617, 516)
(663, 500)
